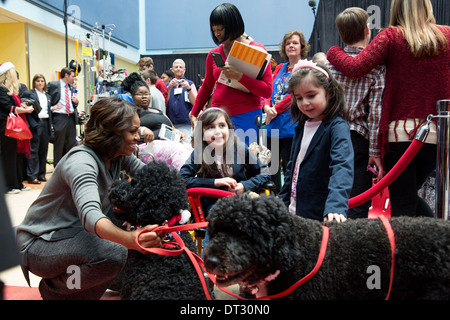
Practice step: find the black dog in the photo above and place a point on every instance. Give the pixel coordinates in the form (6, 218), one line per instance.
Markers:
(257, 239)
(155, 195)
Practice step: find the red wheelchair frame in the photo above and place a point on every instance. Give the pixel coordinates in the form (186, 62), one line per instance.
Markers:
(194, 195)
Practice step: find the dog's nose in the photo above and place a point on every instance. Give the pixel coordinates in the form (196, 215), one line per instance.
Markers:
(212, 261)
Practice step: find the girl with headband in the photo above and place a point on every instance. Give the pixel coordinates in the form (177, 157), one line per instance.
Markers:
(220, 160)
(319, 175)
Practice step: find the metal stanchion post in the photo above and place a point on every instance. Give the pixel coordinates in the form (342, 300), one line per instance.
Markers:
(443, 160)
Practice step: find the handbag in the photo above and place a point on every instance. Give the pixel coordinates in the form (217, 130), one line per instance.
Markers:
(16, 127)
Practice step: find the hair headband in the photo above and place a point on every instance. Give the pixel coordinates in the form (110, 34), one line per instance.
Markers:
(209, 109)
(309, 64)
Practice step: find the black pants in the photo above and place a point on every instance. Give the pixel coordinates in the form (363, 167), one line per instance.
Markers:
(8, 156)
(44, 139)
(362, 180)
(65, 135)
(98, 261)
(32, 162)
(403, 191)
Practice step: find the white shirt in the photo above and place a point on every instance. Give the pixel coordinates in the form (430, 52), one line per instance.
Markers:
(308, 133)
(43, 102)
(62, 99)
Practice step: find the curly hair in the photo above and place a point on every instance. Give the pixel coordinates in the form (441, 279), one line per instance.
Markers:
(133, 82)
(110, 118)
(155, 194)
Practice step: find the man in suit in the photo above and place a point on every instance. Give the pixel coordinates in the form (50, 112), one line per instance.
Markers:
(64, 111)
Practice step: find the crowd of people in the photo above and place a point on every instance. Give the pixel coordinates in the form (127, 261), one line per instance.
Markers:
(331, 118)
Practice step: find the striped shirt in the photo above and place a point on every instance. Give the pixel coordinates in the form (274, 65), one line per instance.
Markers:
(364, 97)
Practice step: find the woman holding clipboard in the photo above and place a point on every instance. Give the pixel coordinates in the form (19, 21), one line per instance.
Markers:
(227, 26)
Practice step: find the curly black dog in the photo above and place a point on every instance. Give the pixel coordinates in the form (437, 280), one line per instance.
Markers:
(155, 195)
(257, 239)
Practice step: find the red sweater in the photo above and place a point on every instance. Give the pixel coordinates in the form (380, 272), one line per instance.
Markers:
(161, 86)
(413, 85)
(233, 100)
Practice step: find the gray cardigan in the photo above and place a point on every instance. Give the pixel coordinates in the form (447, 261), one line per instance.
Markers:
(74, 198)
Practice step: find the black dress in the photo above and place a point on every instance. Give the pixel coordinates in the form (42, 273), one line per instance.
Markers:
(8, 146)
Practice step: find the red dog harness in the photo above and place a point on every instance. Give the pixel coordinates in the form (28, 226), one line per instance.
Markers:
(172, 250)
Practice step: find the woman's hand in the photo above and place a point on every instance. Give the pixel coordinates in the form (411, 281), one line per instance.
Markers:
(335, 216)
(24, 109)
(148, 134)
(228, 182)
(105, 229)
(146, 240)
(271, 113)
(231, 72)
(182, 136)
(193, 119)
(239, 188)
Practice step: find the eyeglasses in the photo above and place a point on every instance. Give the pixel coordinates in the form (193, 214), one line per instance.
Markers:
(143, 95)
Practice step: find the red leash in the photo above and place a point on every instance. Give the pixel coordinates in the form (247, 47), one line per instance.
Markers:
(198, 262)
(182, 247)
(390, 234)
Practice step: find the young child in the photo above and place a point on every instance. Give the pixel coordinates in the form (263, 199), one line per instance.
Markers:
(222, 161)
(319, 175)
(365, 98)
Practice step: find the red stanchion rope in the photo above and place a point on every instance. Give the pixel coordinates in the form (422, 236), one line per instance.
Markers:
(409, 154)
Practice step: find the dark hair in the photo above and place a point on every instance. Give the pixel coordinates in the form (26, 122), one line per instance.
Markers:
(204, 119)
(169, 73)
(65, 71)
(110, 118)
(229, 16)
(133, 82)
(335, 94)
(38, 76)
